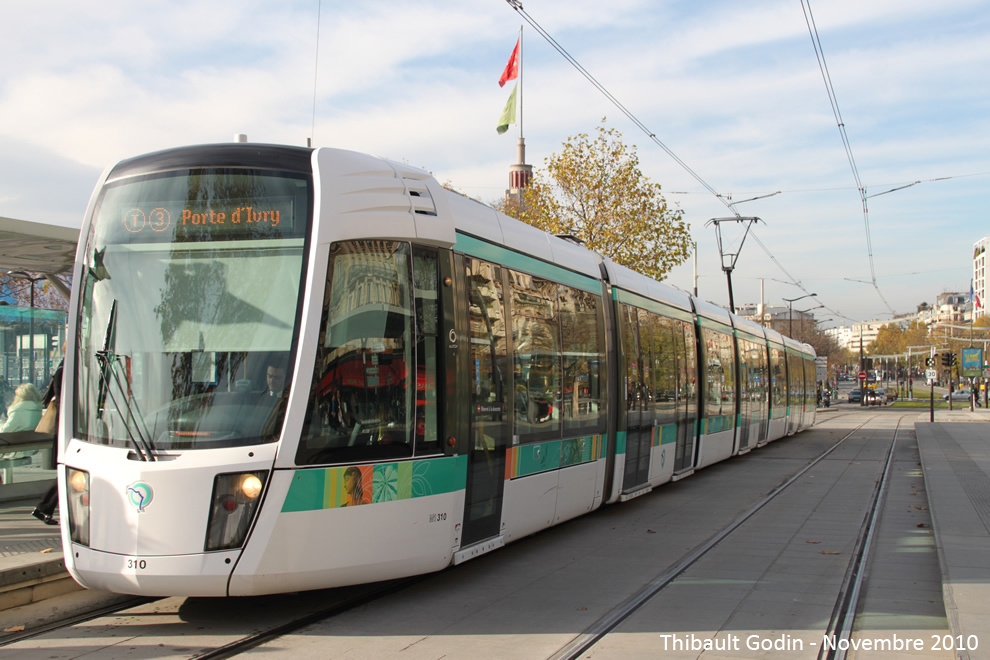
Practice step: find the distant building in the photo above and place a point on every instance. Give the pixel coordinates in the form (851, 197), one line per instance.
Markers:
(791, 322)
(951, 307)
(843, 335)
(980, 277)
(849, 337)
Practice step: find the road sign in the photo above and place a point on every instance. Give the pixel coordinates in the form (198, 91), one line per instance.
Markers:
(862, 375)
(972, 361)
(931, 374)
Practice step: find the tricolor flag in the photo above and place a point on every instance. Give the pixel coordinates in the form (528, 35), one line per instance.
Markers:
(512, 68)
(509, 113)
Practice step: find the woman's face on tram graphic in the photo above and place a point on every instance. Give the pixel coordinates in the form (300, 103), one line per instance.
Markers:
(351, 478)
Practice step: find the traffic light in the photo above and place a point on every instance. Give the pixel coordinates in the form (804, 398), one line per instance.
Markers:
(930, 362)
(952, 359)
(946, 359)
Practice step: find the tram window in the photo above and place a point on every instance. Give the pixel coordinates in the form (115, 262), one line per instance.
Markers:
(727, 355)
(361, 401)
(795, 378)
(185, 290)
(779, 380)
(426, 287)
(665, 373)
(715, 373)
(629, 320)
(488, 362)
(581, 337)
(536, 356)
(689, 383)
(646, 366)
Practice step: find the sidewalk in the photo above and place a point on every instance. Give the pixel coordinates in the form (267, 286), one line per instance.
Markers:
(31, 561)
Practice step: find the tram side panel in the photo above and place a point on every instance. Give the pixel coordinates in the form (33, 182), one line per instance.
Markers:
(537, 378)
(657, 395)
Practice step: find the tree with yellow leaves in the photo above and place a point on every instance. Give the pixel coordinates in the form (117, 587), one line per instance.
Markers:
(595, 191)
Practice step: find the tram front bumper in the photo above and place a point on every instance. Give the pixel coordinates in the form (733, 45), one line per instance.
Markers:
(204, 574)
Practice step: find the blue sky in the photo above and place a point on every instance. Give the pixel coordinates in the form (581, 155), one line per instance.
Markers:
(732, 88)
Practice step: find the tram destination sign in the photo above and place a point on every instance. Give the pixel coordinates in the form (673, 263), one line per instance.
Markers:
(248, 218)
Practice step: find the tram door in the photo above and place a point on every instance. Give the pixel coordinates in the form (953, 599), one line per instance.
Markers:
(489, 412)
(639, 421)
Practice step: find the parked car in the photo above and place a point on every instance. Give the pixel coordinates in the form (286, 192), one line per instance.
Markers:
(855, 396)
(959, 395)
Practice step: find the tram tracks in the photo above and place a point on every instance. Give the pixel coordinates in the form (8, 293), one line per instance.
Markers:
(248, 622)
(842, 622)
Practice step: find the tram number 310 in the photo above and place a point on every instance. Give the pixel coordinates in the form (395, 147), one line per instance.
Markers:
(134, 564)
(437, 517)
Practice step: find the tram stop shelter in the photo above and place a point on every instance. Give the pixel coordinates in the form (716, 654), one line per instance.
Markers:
(30, 347)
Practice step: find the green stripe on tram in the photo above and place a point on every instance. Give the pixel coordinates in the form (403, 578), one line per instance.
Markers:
(534, 458)
(323, 488)
(718, 423)
(476, 247)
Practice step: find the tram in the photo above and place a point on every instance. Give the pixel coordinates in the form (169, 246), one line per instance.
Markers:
(295, 368)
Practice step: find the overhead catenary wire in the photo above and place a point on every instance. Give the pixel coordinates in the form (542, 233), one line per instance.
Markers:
(316, 72)
(726, 200)
(517, 5)
(826, 77)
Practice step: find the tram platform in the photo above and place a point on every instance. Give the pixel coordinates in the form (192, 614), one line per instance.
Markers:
(955, 457)
(956, 463)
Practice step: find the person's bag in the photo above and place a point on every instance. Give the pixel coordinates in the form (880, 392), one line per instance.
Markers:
(48, 419)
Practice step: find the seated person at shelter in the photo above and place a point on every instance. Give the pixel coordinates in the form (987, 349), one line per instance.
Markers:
(25, 411)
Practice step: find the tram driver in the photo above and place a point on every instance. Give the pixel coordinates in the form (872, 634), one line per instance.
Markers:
(275, 381)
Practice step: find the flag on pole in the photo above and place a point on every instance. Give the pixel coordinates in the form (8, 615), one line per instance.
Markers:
(512, 68)
(508, 113)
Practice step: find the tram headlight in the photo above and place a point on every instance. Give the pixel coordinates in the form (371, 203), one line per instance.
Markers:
(250, 487)
(77, 501)
(233, 506)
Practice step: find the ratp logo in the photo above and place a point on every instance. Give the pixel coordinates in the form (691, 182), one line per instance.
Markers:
(140, 495)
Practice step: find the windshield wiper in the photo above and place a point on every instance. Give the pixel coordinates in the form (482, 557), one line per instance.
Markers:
(107, 360)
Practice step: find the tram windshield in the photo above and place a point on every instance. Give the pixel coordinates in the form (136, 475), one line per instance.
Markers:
(189, 308)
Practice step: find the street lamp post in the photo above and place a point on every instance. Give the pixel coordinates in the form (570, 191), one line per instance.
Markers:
(790, 311)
